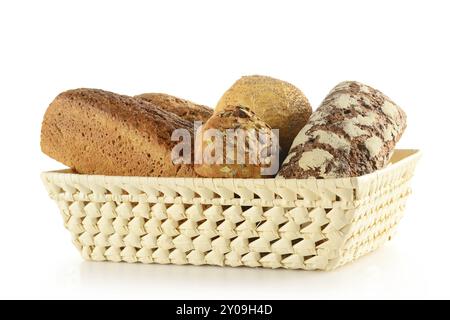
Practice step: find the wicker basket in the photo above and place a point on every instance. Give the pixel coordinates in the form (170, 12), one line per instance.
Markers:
(313, 224)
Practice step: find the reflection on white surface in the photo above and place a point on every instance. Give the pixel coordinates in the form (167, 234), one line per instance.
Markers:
(363, 278)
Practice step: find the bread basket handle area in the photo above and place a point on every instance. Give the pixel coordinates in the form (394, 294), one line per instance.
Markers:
(400, 154)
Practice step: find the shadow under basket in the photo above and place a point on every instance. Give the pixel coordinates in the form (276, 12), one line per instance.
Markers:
(309, 224)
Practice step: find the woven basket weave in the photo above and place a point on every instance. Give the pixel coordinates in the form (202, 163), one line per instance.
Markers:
(313, 224)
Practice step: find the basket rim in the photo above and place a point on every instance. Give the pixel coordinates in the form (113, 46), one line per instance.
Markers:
(399, 158)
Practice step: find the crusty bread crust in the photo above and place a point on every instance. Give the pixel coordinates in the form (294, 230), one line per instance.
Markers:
(352, 133)
(99, 132)
(278, 103)
(184, 108)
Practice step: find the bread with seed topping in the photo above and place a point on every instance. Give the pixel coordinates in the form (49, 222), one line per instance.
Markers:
(245, 142)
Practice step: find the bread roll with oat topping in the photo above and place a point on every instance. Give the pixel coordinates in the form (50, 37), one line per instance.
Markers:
(352, 133)
(228, 122)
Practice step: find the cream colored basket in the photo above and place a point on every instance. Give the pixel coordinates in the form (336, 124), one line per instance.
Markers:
(313, 224)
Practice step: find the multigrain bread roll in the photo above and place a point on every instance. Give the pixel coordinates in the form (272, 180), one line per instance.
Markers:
(184, 108)
(352, 133)
(99, 132)
(278, 103)
(235, 143)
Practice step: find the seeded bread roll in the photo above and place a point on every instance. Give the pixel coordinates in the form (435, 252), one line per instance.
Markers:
(278, 103)
(352, 133)
(99, 132)
(184, 108)
(246, 159)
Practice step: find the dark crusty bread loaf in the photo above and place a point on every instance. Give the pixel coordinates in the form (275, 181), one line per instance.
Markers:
(184, 108)
(352, 133)
(99, 132)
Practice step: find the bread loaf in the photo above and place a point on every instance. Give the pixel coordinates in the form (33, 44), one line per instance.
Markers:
(242, 137)
(184, 108)
(278, 103)
(352, 133)
(99, 132)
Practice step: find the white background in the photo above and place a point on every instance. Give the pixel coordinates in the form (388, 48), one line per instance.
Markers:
(196, 50)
